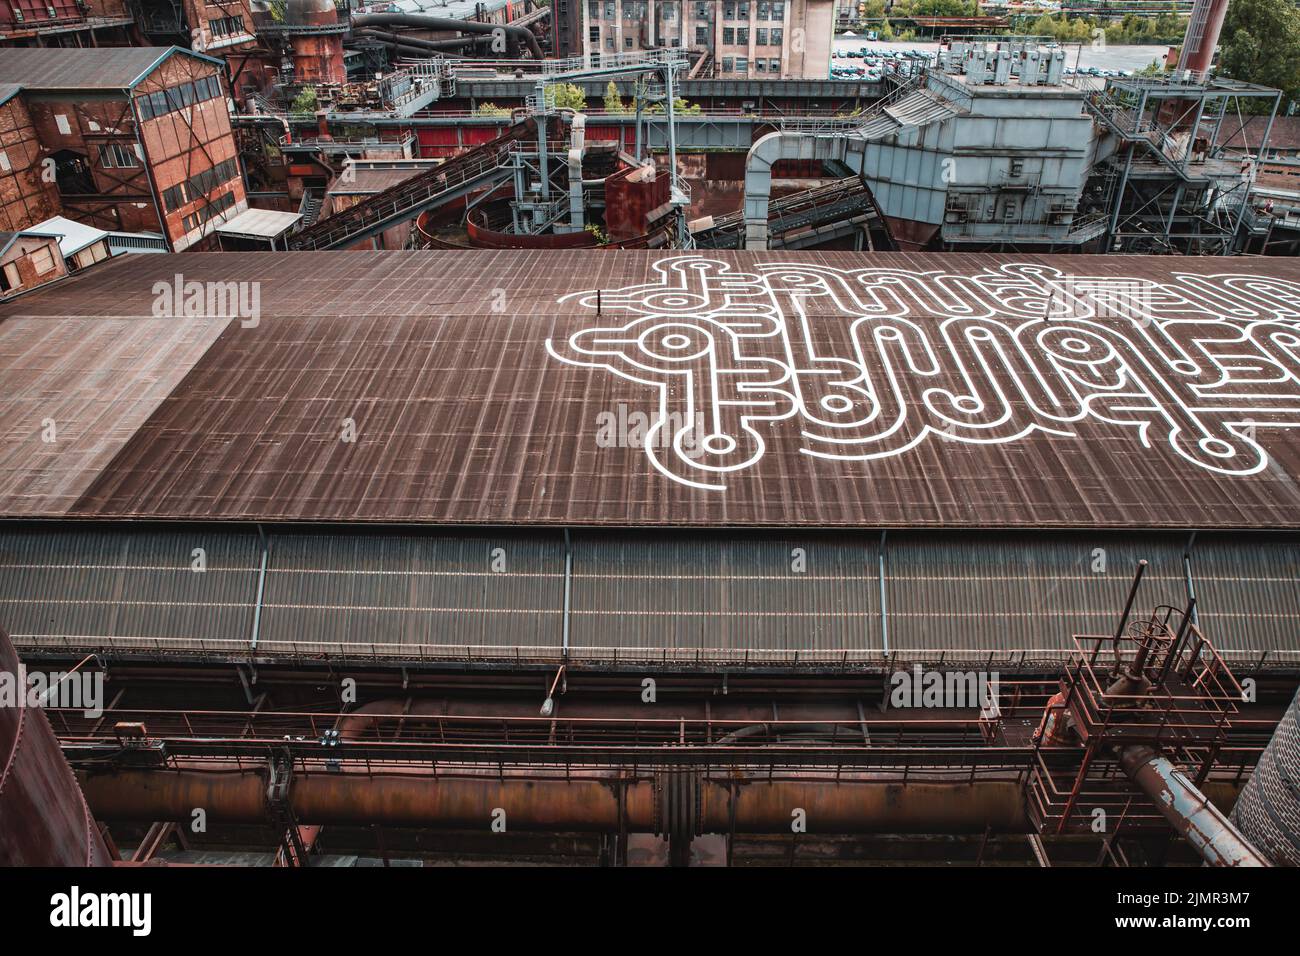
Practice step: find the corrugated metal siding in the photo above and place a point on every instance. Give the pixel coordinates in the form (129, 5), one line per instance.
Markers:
(127, 584)
(995, 592)
(969, 591)
(394, 589)
(690, 591)
(1248, 593)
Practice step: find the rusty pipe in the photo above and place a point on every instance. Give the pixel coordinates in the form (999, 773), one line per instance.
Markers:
(1188, 811)
(579, 805)
(514, 35)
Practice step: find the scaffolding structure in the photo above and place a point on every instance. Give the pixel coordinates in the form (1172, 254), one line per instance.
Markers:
(1165, 175)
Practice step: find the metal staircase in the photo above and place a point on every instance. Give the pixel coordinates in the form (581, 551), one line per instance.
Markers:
(310, 207)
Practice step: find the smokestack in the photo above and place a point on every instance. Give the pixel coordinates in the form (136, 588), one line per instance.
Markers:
(1202, 36)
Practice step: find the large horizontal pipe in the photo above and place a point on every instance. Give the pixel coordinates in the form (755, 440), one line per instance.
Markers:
(514, 34)
(578, 805)
(1189, 812)
(397, 47)
(417, 44)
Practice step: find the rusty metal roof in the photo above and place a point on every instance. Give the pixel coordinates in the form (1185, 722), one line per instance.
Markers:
(38, 69)
(841, 389)
(1283, 134)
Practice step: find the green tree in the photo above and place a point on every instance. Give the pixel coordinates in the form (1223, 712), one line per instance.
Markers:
(613, 102)
(567, 96)
(305, 101)
(1260, 44)
(491, 109)
(681, 107)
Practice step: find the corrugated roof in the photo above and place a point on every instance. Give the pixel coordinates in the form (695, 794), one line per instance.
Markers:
(261, 223)
(89, 68)
(1284, 134)
(8, 91)
(874, 390)
(72, 236)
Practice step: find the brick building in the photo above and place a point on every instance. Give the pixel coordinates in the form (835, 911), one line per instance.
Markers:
(64, 23)
(28, 260)
(133, 139)
(780, 39)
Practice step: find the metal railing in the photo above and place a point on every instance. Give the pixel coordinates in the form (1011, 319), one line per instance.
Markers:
(408, 199)
(392, 652)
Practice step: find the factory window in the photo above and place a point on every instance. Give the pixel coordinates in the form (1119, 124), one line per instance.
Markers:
(777, 36)
(200, 184)
(760, 64)
(728, 35)
(742, 64)
(178, 97)
(729, 10)
(117, 156)
(760, 36)
(742, 36)
(702, 36)
(609, 9)
(774, 66)
(227, 26)
(765, 10)
(593, 9)
(742, 10)
(778, 10)
(43, 260)
(727, 64)
(669, 11)
(703, 11)
(627, 43)
(211, 210)
(594, 34)
(609, 43)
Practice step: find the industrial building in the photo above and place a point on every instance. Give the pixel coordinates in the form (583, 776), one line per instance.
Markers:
(133, 139)
(786, 39)
(362, 527)
(587, 433)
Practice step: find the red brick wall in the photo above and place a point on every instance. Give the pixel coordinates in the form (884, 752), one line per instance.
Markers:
(20, 255)
(26, 196)
(181, 144)
(121, 199)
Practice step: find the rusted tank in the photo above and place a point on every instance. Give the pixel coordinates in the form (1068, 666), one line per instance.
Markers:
(317, 56)
(1268, 812)
(44, 820)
